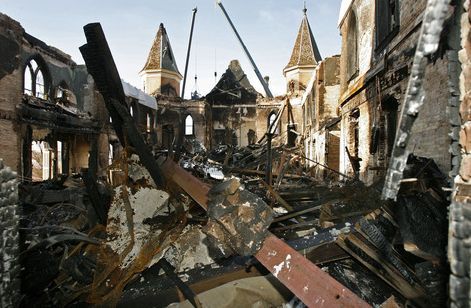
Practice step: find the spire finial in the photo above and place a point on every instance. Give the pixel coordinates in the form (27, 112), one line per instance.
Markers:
(304, 10)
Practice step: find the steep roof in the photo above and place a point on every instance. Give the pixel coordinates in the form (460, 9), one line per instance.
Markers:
(233, 86)
(305, 51)
(161, 54)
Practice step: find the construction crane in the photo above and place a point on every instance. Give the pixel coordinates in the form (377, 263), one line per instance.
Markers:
(254, 66)
(188, 51)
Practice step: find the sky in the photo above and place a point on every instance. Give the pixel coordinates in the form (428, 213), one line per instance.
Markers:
(267, 27)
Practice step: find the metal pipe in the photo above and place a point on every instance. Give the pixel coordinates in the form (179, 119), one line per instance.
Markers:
(254, 66)
(188, 50)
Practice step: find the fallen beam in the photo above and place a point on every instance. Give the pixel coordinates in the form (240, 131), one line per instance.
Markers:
(262, 173)
(307, 281)
(277, 197)
(297, 213)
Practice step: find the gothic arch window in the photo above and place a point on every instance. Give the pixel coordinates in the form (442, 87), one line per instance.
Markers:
(35, 80)
(189, 131)
(352, 46)
(272, 119)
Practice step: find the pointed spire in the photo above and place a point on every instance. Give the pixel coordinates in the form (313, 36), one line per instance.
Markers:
(305, 51)
(161, 54)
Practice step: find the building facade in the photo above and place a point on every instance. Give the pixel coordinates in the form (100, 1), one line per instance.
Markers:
(379, 38)
(51, 116)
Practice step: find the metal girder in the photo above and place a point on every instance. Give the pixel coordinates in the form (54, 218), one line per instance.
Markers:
(254, 66)
(307, 281)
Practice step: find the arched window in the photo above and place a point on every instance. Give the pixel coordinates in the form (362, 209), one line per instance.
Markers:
(131, 111)
(272, 119)
(34, 80)
(189, 126)
(110, 153)
(352, 45)
(40, 85)
(148, 123)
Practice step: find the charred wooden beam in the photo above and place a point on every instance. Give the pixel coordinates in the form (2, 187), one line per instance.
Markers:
(90, 180)
(277, 197)
(294, 214)
(101, 66)
(268, 171)
(303, 278)
(183, 287)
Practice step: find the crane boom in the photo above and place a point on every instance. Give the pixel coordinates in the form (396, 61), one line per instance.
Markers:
(188, 51)
(254, 66)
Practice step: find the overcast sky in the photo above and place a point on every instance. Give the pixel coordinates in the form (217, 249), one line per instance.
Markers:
(268, 28)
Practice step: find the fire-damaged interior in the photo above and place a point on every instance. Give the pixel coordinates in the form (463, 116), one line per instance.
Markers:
(351, 189)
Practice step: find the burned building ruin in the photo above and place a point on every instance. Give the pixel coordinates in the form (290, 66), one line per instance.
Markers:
(349, 189)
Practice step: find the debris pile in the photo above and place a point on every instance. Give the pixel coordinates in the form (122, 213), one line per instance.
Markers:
(58, 227)
(397, 247)
(401, 243)
(9, 242)
(208, 236)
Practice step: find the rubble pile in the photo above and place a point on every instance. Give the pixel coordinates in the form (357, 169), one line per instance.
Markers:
(58, 228)
(397, 247)
(345, 227)
(156, 240)
(239, 227)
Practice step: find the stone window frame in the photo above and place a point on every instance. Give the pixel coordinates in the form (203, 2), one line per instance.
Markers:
(352, 45)
(35, 68)
(384, 33)
(168, 90)
(273, 115)
(189, 126)
(135, 111)
(390, 108)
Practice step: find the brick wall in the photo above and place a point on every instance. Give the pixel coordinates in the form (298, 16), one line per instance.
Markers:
(430, 132)
(9, 144)
(364, 10)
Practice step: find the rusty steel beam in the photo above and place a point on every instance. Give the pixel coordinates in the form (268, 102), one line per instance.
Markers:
(307, 281)
(186, 181)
